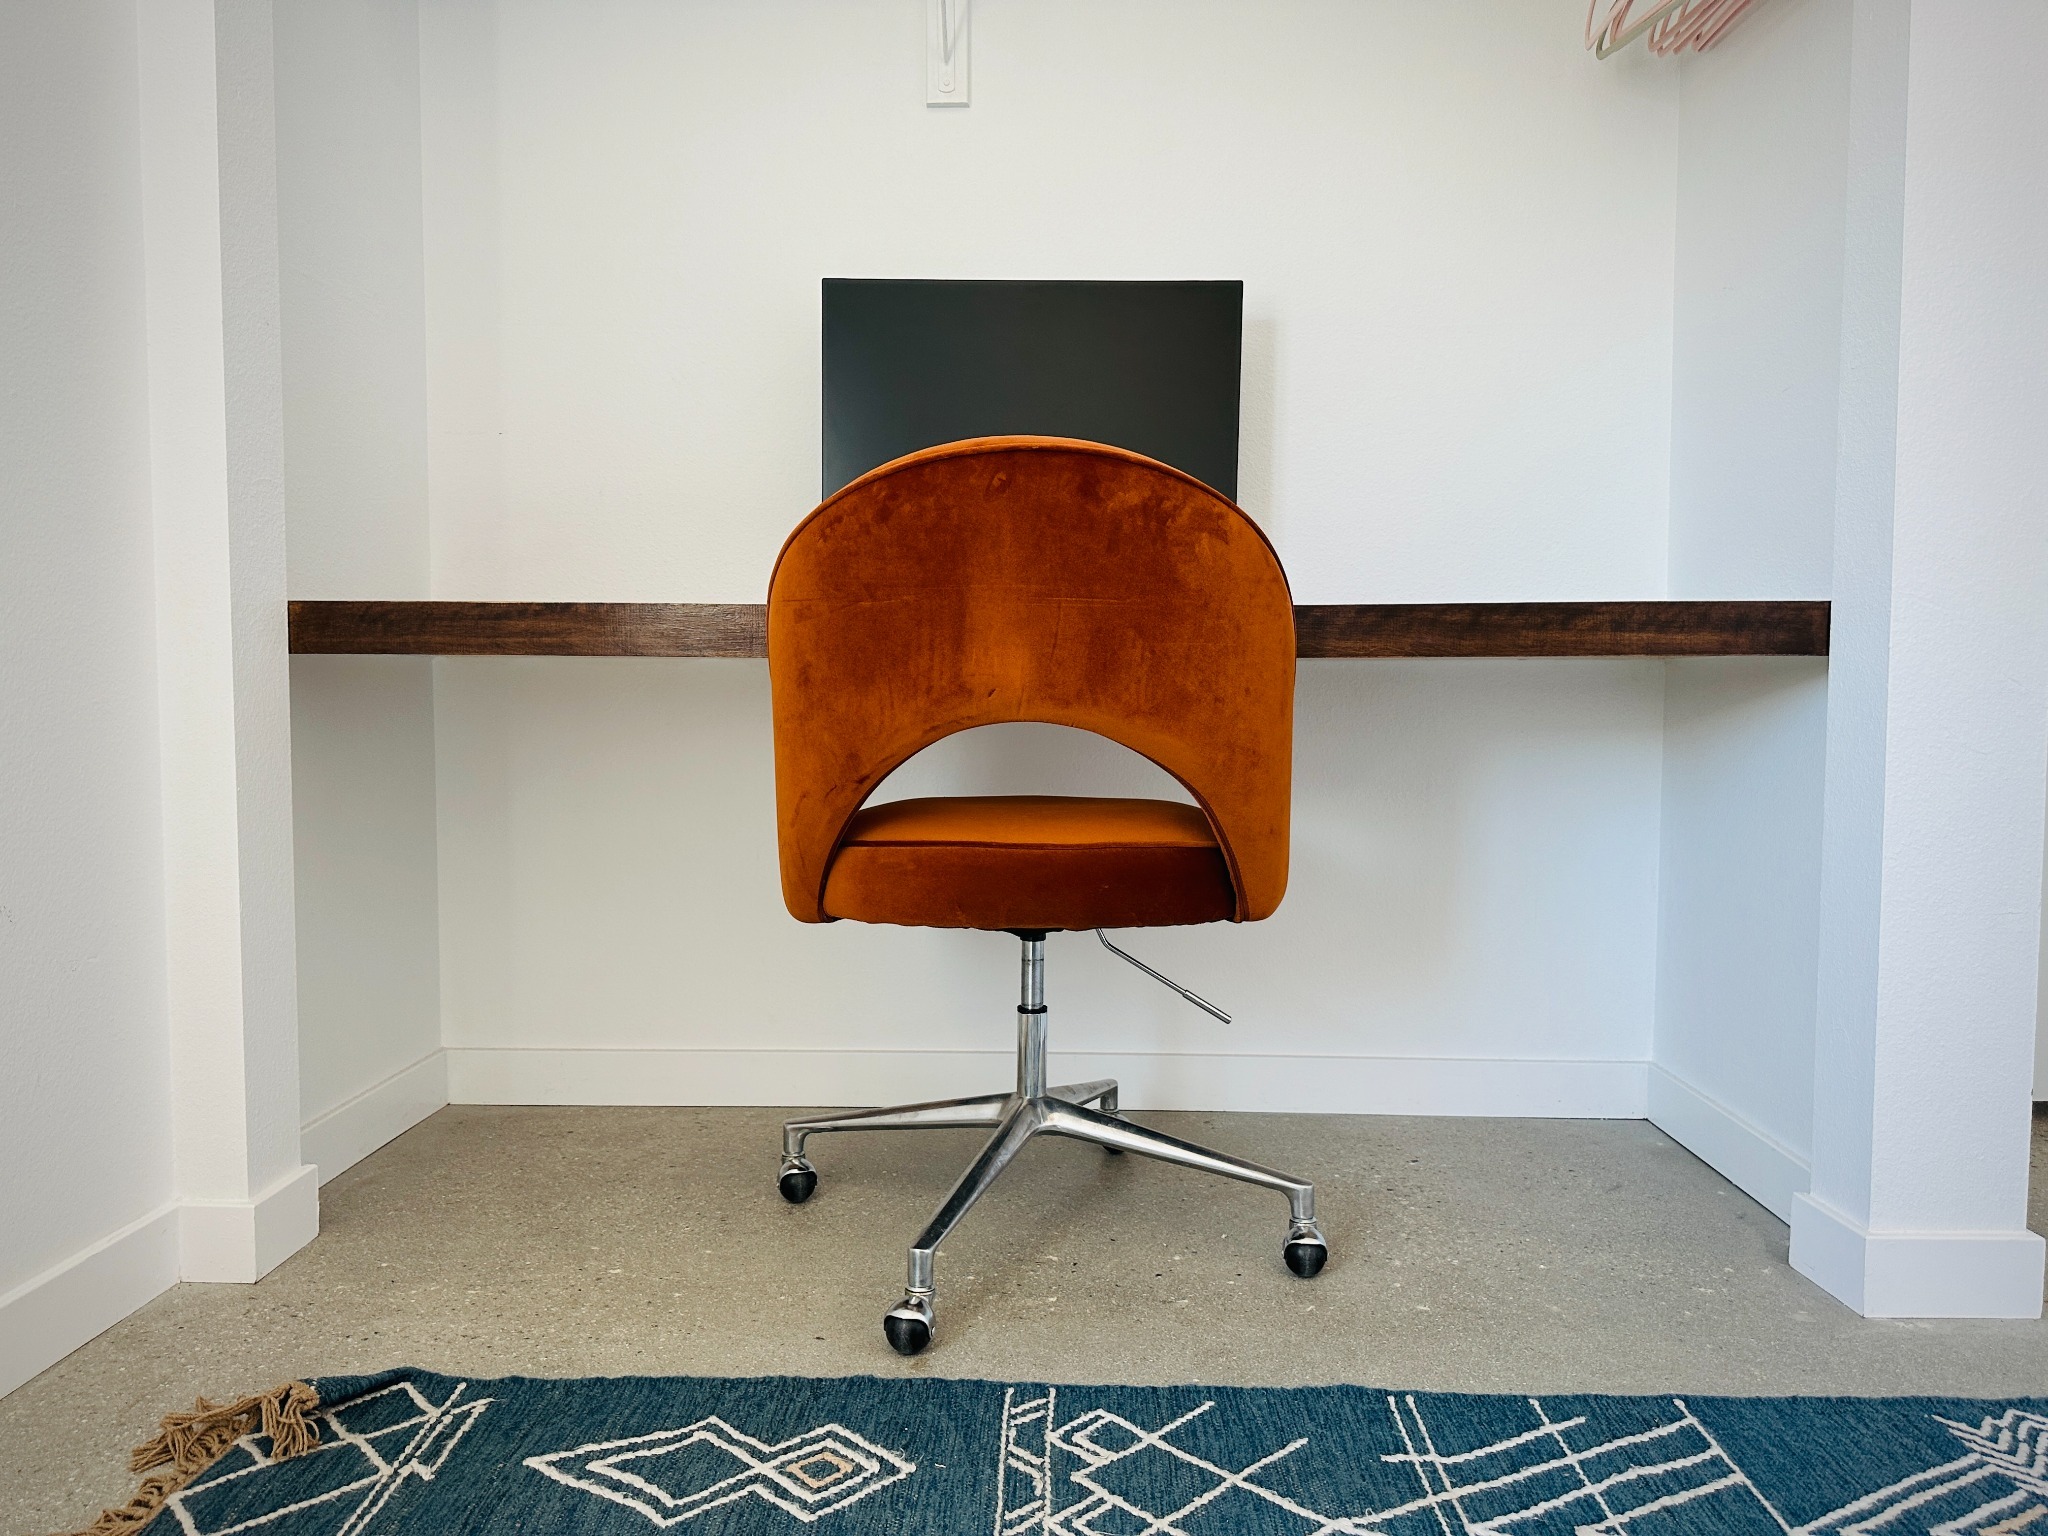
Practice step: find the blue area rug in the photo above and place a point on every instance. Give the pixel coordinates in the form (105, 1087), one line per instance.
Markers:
(418, 1453)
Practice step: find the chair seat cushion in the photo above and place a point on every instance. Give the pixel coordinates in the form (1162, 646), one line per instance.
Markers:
(1029, 861)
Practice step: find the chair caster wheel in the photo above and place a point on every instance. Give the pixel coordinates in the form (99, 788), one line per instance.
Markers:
(798, 1183)
(1306, 1252)
(909, 1327)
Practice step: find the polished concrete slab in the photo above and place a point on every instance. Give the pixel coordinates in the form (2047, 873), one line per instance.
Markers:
(1480, 1255)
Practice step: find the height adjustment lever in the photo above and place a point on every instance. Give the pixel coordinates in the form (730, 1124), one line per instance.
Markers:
(1165, 981)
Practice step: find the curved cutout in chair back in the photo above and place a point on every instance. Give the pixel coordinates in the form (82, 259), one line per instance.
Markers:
(1021, 578)
(1026, 757)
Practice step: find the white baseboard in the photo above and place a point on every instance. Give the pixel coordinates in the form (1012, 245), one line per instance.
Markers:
(241, 1241)
(1917, 1274)
(1747, 1156)
(47, 1317)
(44, 1319)
(1359, 1085)
(351, 1131)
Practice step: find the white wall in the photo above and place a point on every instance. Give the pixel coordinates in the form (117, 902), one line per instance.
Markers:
(1938, 715)
(150, 1115)
(208, 130)
(1731, 1071)
(1456, 242)
(1473, 902)
(351, 258)
(351, 255)
(1455, 239)
(2041, 996)
(368, 902)
(86, 1231)
(1762, 166)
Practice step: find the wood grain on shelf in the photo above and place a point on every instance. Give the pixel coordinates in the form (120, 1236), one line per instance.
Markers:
(529, 629)
(1656, 628)
(1660, 628)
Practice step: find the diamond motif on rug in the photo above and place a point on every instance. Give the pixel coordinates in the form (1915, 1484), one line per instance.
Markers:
(411, 1453)
(673, 1475)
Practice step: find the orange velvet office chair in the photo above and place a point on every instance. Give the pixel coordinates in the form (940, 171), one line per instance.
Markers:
(1019, 578)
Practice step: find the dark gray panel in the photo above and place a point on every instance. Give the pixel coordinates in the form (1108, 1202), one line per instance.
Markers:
(1147, 366)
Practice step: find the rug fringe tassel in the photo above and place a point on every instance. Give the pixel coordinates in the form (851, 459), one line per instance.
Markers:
(186, 1444)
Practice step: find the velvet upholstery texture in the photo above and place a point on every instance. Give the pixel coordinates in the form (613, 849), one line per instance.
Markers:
(1042, 579)
(1030, 861)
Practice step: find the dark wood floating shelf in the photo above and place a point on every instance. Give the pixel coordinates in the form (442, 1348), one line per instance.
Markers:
(1669, 628)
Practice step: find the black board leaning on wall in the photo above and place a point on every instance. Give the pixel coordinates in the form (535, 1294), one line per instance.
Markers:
(1150, 366)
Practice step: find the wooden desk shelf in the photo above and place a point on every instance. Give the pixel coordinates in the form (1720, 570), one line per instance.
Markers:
(1668, 628)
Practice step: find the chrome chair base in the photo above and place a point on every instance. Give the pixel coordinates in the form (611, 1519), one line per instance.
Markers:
(1031, 1110)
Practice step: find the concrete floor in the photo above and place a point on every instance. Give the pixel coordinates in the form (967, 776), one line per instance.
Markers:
(1482, 1255)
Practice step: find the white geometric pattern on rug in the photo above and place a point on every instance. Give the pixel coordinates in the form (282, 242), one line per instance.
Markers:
(365, 1455)
(673, 1475)
(1999, 1487)
(1536, 1479)
(1107, 1444)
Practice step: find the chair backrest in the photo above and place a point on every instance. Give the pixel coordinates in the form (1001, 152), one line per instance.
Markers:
(1022, 578)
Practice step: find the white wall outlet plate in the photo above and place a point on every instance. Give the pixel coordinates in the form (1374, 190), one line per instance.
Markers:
(945, 52)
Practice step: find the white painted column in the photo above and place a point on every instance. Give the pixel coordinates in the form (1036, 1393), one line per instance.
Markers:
(1938, 695)
(210, 235)
(2041, 996)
